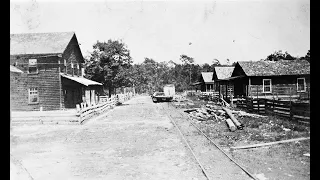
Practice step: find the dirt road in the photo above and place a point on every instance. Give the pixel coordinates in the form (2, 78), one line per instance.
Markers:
(132, 141)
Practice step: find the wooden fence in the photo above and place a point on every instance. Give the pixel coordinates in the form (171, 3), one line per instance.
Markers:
(296, 111)
(84, 112)
(209, 96)
(68, 116)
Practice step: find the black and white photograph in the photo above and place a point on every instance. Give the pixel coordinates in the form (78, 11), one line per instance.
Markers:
(160, 90)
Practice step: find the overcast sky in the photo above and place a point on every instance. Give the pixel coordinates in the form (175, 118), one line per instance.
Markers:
(163, 30)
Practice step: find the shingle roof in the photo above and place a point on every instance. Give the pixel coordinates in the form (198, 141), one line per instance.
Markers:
(223, 72)
(39, 43)
(14, 69)
(207, 77)
(275, 68)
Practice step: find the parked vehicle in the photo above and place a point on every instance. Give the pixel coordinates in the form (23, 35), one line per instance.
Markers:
(161, 97)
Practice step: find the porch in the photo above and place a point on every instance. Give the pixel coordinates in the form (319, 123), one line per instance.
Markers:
(77, 90)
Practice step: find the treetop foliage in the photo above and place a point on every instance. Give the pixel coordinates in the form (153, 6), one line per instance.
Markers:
(110, 63)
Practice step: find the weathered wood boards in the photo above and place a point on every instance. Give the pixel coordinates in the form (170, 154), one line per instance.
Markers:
(235, 121)
(299, 111)
(230, 124)
(268, 144)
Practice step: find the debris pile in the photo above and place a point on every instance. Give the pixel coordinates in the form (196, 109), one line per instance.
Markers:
(218, 113)
(243, 113)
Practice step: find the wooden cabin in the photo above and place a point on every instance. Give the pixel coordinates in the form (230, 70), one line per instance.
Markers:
(206, 82)
(224, 87)
(284, 79)
(53, 72)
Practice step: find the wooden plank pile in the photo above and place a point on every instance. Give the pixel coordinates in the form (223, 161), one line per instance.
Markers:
(214, 112)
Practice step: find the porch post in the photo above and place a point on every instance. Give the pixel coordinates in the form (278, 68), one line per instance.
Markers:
(226, 89)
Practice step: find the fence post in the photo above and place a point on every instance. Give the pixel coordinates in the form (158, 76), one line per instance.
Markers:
(291, 110)
(290, 95)
(78, 108)
(273, 106)
(258, 105)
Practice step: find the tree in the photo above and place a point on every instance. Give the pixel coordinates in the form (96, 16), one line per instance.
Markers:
(206, 68)
(307, 57)
(187, 62)
(186, 59)
(279, 55)
(216, 62)
(109, 64)
(228, 61)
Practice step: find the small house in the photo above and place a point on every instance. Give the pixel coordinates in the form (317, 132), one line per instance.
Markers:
(272, 79)
(225, 87)
(53, 72)
(206, 82)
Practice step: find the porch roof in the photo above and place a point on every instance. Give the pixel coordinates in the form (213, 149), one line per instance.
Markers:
(81, 80)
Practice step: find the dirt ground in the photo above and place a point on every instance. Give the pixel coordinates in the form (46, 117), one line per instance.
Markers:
(281, 161)
(132, 141)
(137, 141)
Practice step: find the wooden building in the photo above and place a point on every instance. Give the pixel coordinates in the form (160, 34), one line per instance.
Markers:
(225, 87)
(53, 72)
(272, 79)
(206, 82)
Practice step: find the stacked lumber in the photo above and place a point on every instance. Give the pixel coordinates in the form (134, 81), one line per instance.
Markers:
(215, 112)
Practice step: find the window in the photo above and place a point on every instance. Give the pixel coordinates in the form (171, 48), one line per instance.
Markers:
(301, 85)
(266, 85)
(32, 66)
(33, 96)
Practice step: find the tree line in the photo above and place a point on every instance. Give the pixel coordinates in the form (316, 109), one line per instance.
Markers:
(110, 63)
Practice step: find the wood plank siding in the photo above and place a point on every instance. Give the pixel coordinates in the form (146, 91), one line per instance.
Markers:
(47, 83)
(281, 86)
(52, 92)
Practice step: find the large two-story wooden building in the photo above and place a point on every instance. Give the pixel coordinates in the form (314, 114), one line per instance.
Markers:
(53, 72)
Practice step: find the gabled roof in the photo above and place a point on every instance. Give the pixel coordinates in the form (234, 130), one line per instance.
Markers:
(223, 72)
(207, 77)
(39, 43)
(14, 69)
(81, 80)
(275, 68)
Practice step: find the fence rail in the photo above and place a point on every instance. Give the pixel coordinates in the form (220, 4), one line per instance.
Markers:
(84, 112)
(296, 111)
(69, 116)
(209, 96)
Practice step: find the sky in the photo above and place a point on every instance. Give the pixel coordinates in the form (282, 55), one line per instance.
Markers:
(239, 30)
